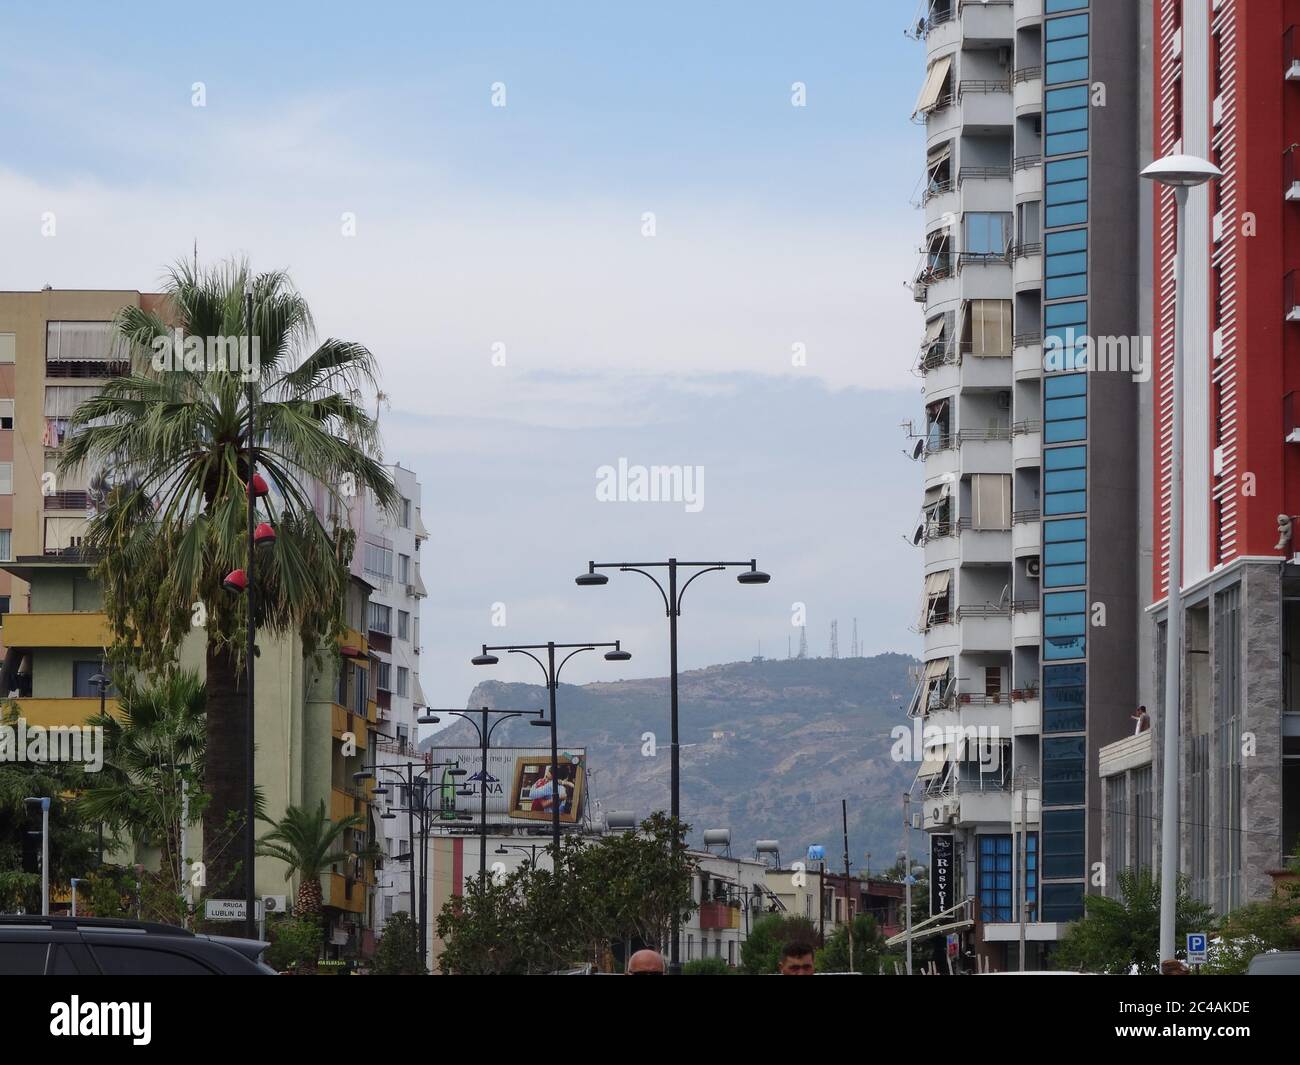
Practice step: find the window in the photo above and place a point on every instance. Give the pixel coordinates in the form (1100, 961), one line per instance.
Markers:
(4, 607)
(1065, 123)
(404, 569)
(143, 961)
(1064, 553)
(1065, 474)
(987, 233)
(1066, 44)
(1063, 698)
(403, 625)
(987, 328)
(6, 478)
(1029, 217)
(1066, 268)
(6, 545)
(403, 681)
(998, 875)
(379, 561)
(1064, 774)
(23, 959)
(360, 691)
(1062, 903)
(384, 676)
(6, 413)
(1063, 843)
(990, 496)
(82, 686)
(406, 513)
(7, 347)
(381, 618)
(1066, 329)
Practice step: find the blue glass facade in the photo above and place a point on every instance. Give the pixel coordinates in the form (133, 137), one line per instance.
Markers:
(1066, 166)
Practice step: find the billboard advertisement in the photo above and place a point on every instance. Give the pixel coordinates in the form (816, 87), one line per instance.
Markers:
(518, 782)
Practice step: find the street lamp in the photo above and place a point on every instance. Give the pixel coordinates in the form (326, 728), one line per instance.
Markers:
(413, 784)
(45, 850)
(484, 727)
(1182, 173)
(552, 674)
(750, 574)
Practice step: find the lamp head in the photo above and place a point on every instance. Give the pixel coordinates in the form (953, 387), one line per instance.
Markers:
(484, 659)
(1182, 171)
(591, 579)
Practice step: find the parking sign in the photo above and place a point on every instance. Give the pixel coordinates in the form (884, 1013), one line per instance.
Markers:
(1197, 954)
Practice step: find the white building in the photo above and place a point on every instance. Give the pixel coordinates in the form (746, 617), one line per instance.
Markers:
(390, 551)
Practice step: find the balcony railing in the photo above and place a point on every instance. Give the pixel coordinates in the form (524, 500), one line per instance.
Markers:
(1024, 606)
(937, 530)
(981, 258)
(997, 432)
(1025, 517)
(982, 173)
(981, 86)
(1026, 427)
(1023, 250)
(67, 501)
(936, 188)
(1027, 339)
(939, 442)
(941, 353)
(1023, 75)
(82, 368)
(1026, 162)
(984, 610)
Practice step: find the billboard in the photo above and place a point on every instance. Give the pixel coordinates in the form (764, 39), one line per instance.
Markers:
(517, 780)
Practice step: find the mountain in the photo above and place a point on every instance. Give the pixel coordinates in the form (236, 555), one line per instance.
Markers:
(769, 748)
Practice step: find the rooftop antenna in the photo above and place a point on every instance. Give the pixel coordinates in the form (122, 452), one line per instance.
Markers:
(857, 647)
(835, 639)
(803, 641)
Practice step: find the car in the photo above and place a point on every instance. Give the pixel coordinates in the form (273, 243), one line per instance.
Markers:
(96, 946)
(1276, 963)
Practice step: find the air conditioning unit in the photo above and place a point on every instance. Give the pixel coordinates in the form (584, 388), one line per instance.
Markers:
(1033, 568)
(274, 904)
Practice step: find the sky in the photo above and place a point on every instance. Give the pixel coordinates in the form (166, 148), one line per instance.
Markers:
(572, 233)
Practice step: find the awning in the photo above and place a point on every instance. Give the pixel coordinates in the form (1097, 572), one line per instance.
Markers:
(936, 669)
(939, 155)
(934, 330)
(936, 584)
(934, 80)
(990, 501)
(937, 494)
(935, 758)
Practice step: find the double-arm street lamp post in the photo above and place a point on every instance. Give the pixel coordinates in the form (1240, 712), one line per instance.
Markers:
(484, 726)
(416, 788)
(552, 671)
(672, 598)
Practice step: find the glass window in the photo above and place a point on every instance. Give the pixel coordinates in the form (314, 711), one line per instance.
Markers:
(1065, 170)
(1063, 698)
(403, 625)
(1060, 28)
(1062, 902)
(997, 888)
(1069, 48)
(987, 232)
(1066, 121)
(1065, 554)
(1055, 6)
(1061, 531)
(1063, 838)
(1056, 288)
(1062, 432)
(142, 961)
(1070, 70)
(1064, 772)
(23, 959)
(1064, 577)
(1065, 458)
(1066, 144)
(1069, 407)
(1061, 385)
(6, 545)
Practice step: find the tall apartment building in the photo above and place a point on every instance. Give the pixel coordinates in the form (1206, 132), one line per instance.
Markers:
(1227, 89)
(1031, 247)
(390, 558)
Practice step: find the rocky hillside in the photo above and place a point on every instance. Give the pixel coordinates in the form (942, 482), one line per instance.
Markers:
(769, 748)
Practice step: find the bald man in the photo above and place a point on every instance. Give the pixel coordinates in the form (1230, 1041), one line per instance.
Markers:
(646, 963)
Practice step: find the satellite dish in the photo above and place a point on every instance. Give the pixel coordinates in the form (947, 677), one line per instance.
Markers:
(918, 449)
(919, 536)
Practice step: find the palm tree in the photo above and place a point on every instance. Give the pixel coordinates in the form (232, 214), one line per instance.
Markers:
(153, 752)
(304, 841)
(174, 446)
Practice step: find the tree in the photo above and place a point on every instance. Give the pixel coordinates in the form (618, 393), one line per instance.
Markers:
(1270, 924)
(170, 446)
(153, 760)
(707, 967)
(72, 845)
(304, 840)
(398, 953)
(868, 948)
(760, 954)
(1120, 935)
(295, 944)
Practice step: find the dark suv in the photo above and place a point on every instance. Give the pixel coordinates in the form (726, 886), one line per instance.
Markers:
(92, 946)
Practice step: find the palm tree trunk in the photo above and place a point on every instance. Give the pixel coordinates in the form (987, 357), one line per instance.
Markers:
(225, 775)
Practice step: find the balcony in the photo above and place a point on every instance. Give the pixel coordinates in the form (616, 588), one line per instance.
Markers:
(1291, 54)
(983, 546)
(87, 369)
(1026, 623)
(1131, 752)
(1026, 444)
(1026, 712)
(1027, 178)
(67, 501)
(986, 23)
(986, 105)
(1027, 90)
(985, 450)
(982, 802)
(72, 711)
(1026, 533)
(1028, 13)
(1027, 267)
(353, 645)
(984, 627)
(1027, 356)
(718, 915)
(344, 893)
(937, 269)
(81, 629)
(343, 721)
